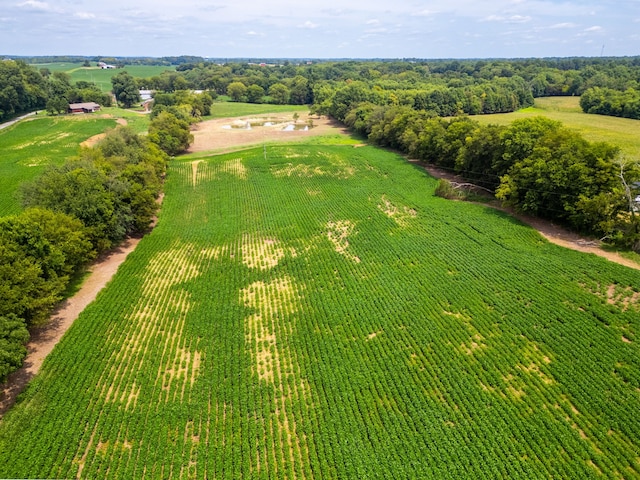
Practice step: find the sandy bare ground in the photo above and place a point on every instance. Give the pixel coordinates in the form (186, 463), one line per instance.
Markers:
(216, 135)
(91, 141)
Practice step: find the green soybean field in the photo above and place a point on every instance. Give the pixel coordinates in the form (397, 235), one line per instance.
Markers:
(307, 311)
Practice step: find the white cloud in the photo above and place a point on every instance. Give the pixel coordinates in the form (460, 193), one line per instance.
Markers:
(595, 28)
(36, 5)
(308, 25)
(423, 13)
(510, 19)
(563, 25)
(84, 15)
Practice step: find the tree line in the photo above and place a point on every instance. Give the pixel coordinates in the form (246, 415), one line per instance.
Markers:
(72, 213)
(607, 101)
(535, 164)
(445, 86)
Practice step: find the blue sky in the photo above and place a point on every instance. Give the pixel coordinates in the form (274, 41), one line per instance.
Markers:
(322, 29)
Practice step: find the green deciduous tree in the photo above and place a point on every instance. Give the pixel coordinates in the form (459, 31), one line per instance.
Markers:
(279, 94)
(125, 89)
(237, 91)
(170, 133)
(255, 94)
(13, 337)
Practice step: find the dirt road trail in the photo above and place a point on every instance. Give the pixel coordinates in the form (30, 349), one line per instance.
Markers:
(44, 339)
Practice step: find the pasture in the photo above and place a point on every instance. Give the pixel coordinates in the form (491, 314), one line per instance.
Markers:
(101, 77)
(622, 132)
(306, 311)
(223, 109)
(31, 145)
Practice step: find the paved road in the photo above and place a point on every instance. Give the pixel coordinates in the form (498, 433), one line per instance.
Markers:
(15, 120)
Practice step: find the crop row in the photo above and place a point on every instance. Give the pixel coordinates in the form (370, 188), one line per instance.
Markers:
(243, 339)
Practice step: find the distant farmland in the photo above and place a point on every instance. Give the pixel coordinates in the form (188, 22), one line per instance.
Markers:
(102, 77)
(311, 311)
(30, 146)
(622, 132)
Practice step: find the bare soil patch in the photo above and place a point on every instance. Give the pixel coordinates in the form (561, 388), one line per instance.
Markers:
(218, 135)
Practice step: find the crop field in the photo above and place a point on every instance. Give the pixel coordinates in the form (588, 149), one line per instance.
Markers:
(305, 311)
(29, 146)
(622, 132)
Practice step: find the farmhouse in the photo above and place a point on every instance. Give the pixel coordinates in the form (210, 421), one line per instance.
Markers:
(88, 107)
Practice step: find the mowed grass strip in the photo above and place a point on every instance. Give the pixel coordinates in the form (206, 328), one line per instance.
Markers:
(221, 109)
(316, 312)
(622, 132)
(30, 146)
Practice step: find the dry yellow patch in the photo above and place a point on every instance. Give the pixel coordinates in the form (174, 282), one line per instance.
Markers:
(621, 297)
(338, 233)
(337, 169)
(476, 340)
(236, 168)
(158, 323)
(261, 253)
(266, 330)
(401, 215)
(194, 171)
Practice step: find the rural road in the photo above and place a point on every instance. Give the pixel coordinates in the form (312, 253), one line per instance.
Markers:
(15, 120)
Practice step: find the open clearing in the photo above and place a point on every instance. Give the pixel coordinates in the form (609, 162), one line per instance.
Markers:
(308, 311)
(622, 132)
(225, 134)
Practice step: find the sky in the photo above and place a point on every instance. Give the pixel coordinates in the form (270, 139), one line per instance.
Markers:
(321, 29)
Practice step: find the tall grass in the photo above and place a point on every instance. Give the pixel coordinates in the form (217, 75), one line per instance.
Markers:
(622, 132)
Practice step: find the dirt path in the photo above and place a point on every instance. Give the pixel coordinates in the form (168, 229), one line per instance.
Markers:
(16, 120)
(552, 232)
(44, 339)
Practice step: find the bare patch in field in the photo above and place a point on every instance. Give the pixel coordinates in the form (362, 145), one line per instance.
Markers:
(235, 167)
(624, 298)
(261, 253)
(400, 214)
(304, 170)
(274, 305)
(194, 171)
(156, 330)
(214, 135)
(338, 234)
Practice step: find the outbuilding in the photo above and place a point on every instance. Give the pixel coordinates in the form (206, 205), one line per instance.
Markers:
(88, 107)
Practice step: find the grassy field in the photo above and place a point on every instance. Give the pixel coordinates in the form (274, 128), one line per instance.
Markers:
(102, 77)
(29, 146)
(234, 109)
(307, 311)
(622, 132)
